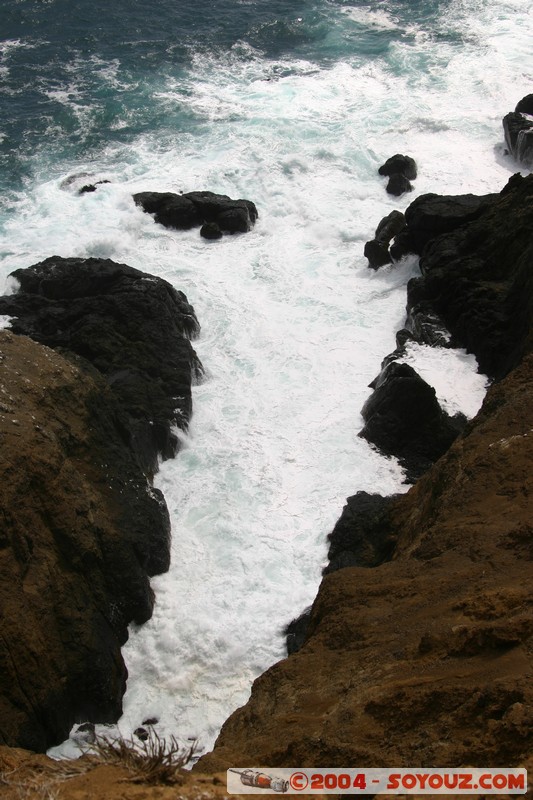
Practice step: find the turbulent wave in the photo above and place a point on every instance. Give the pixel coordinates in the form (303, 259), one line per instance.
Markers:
(294, 106)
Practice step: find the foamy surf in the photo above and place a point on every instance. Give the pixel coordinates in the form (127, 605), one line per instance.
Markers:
(294, 325)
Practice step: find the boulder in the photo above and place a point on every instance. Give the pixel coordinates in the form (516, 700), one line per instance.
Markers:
(390, 226)
(377, 250)
(525, 105)
(362, 536)
(377, 254)
(403, 418)
(169, 209)
(189, 210)
(210, 230)
(399, 165)
(398, 185)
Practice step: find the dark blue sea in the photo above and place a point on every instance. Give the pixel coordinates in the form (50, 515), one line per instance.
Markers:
(293, 105)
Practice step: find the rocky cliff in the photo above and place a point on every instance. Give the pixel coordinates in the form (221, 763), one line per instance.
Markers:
(81, 428)
(423, 655)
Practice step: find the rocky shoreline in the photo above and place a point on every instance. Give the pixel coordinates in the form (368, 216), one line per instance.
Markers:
(417, 646)
(92, 394)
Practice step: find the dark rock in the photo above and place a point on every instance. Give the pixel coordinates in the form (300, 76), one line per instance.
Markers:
(211, 205)
(478, 278)
(91, 187)
(423, 323)
(235, 220)
(399, 165)
(377, 254)
(296, 631)
(377, 250)
(210, 230)
(105, 312)
(403, 418)
(398, 185)
(196, 208)
(402, 245)
(519, 137)
(142, 734)
(170, 210)
(150, 721)
(431, 215)
(363, 535)
(525, 105)
(390, 226)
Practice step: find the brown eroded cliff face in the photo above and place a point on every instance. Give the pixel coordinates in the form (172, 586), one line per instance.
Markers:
(72, 573)
(87, 406)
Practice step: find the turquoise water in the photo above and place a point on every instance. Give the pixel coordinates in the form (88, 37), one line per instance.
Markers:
(78, 77)
(293, 105)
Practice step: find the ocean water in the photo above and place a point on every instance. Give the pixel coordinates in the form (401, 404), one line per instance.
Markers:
(293, 105)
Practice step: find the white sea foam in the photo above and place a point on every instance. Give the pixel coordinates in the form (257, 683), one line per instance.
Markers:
(294, 325)
(453, 374)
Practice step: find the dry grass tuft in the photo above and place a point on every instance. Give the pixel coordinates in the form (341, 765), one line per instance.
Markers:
(155, 760)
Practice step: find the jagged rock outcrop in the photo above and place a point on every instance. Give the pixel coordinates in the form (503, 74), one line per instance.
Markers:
(518, 130)
(403, 418)
(82, 528)
(362, 534)
(422, 659)
(192, 209)
(476, 256)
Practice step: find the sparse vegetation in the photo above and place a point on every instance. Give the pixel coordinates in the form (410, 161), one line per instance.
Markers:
(155, 760)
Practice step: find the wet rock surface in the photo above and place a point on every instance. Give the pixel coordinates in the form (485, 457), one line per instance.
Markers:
(476, 270)
(403, 418)
(192, 209)
(83, 529)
